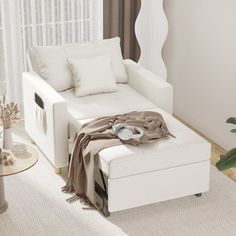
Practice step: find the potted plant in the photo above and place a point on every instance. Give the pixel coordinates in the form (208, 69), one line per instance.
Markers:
(229, 159)
(8, 115)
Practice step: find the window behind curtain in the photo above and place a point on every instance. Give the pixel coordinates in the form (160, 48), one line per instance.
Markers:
(41, 23)
(50, 22)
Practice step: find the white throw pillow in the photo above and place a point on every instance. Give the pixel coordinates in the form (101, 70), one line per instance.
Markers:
(50, 63)
(97, 48)
(92, 75)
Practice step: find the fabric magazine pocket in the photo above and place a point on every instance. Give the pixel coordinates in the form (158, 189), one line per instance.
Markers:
(40, 114)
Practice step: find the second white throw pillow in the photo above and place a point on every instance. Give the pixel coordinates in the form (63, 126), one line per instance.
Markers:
(92, 75)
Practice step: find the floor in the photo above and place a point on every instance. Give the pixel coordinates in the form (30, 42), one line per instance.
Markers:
(38, 207)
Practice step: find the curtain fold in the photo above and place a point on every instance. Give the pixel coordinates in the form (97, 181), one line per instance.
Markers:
(2, 60)
(119, 19)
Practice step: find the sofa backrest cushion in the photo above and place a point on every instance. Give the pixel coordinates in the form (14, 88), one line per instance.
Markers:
(50, 62)
(98, 48)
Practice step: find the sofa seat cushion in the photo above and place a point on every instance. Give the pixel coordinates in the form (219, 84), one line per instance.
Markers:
(125, 160)
(126, 99)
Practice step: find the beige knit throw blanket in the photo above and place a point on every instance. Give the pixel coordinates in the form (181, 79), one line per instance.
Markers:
(97, 135)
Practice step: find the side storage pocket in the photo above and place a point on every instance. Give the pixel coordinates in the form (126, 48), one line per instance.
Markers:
(40, 114)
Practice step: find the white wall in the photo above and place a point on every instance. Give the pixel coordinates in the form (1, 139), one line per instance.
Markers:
(200, 54)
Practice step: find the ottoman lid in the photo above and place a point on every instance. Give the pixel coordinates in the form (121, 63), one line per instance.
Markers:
(187, 148)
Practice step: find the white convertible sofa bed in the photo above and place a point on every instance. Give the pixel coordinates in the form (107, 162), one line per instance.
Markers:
(135, 176)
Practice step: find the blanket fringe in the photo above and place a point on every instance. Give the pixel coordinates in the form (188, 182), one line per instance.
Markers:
(67, 189)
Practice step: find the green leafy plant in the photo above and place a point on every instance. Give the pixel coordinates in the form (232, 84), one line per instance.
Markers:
(229, 159)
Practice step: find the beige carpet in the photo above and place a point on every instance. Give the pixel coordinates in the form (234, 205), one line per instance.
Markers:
(37, 207)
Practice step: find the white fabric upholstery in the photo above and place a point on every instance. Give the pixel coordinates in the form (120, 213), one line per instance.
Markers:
(150, 85)
(50, 62)
(99, 79)
(159, 171)
(124, 100)
(98, 48)
(118, 161)
(125, 160)
(62, 110)
(53, 142)
(187, 148)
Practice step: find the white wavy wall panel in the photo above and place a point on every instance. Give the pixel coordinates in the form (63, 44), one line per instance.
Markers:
(151, 30)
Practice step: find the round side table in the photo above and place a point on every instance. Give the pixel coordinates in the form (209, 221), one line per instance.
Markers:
(21, 162)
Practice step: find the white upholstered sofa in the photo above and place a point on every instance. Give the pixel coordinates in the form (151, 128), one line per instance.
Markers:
(136, 176)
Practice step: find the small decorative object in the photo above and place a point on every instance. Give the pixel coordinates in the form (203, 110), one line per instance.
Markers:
(229, 159)
(8, 115)
(5, 158)
(7, 138)
(19, 149)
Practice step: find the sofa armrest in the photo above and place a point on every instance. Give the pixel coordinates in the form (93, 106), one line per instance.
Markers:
(54, 140)
(150, 85)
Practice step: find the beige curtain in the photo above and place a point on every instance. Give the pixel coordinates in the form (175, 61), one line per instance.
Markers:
(119, 19)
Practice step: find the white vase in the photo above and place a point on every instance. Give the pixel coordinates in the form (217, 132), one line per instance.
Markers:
(151, 29)
(7, 138)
